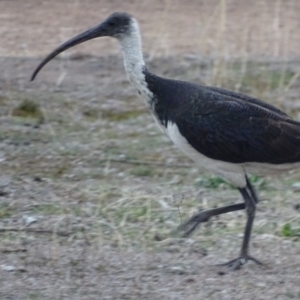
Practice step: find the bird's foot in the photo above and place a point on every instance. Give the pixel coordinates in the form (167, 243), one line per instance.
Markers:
(188, 227)
(236, 264)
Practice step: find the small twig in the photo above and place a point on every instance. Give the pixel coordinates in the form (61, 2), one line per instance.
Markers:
(13, 229)
(178, 203)
(13, 250)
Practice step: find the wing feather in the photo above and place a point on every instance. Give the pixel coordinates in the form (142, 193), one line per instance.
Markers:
(239, 133)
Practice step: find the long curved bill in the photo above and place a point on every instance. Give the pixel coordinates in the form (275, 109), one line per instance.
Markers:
(95, 32)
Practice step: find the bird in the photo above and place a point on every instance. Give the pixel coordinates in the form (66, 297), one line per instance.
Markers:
(228, 133)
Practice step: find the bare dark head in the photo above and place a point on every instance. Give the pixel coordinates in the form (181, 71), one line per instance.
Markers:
(116, 25)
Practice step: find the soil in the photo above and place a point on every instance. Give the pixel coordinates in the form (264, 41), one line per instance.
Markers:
(90, 190)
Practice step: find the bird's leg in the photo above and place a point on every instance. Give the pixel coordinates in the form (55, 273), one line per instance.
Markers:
(203, 216)
(251, 200)
(252, 191)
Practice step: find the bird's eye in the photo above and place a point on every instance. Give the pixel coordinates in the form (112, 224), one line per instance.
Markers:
(111, 23)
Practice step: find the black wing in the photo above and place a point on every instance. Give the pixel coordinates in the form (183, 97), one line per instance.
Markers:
(247, 98)
(225, 125)
(239, 132)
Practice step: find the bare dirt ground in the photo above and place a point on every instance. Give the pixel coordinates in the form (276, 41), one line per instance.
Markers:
(91, 191)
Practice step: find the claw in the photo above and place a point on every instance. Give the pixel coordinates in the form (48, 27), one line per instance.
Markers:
(189, 226)
(236, 263)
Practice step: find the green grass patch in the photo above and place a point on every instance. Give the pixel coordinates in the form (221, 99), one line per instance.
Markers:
(211, 182)
(253, 77)
(34, 296)
(48, 209)
(133, 215)
(5, 211)
(267, 80)
(3, 99)
(142, 171)
(258, 182)
(214, 182)
(29, 109)
(288, 231)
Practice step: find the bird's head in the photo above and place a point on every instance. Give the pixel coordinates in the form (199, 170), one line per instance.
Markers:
(117, 25)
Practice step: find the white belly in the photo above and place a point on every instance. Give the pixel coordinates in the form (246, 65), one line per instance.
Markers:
(269, 169)
(233, 173)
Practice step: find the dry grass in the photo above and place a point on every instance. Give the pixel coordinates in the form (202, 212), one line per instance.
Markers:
(105, 189)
